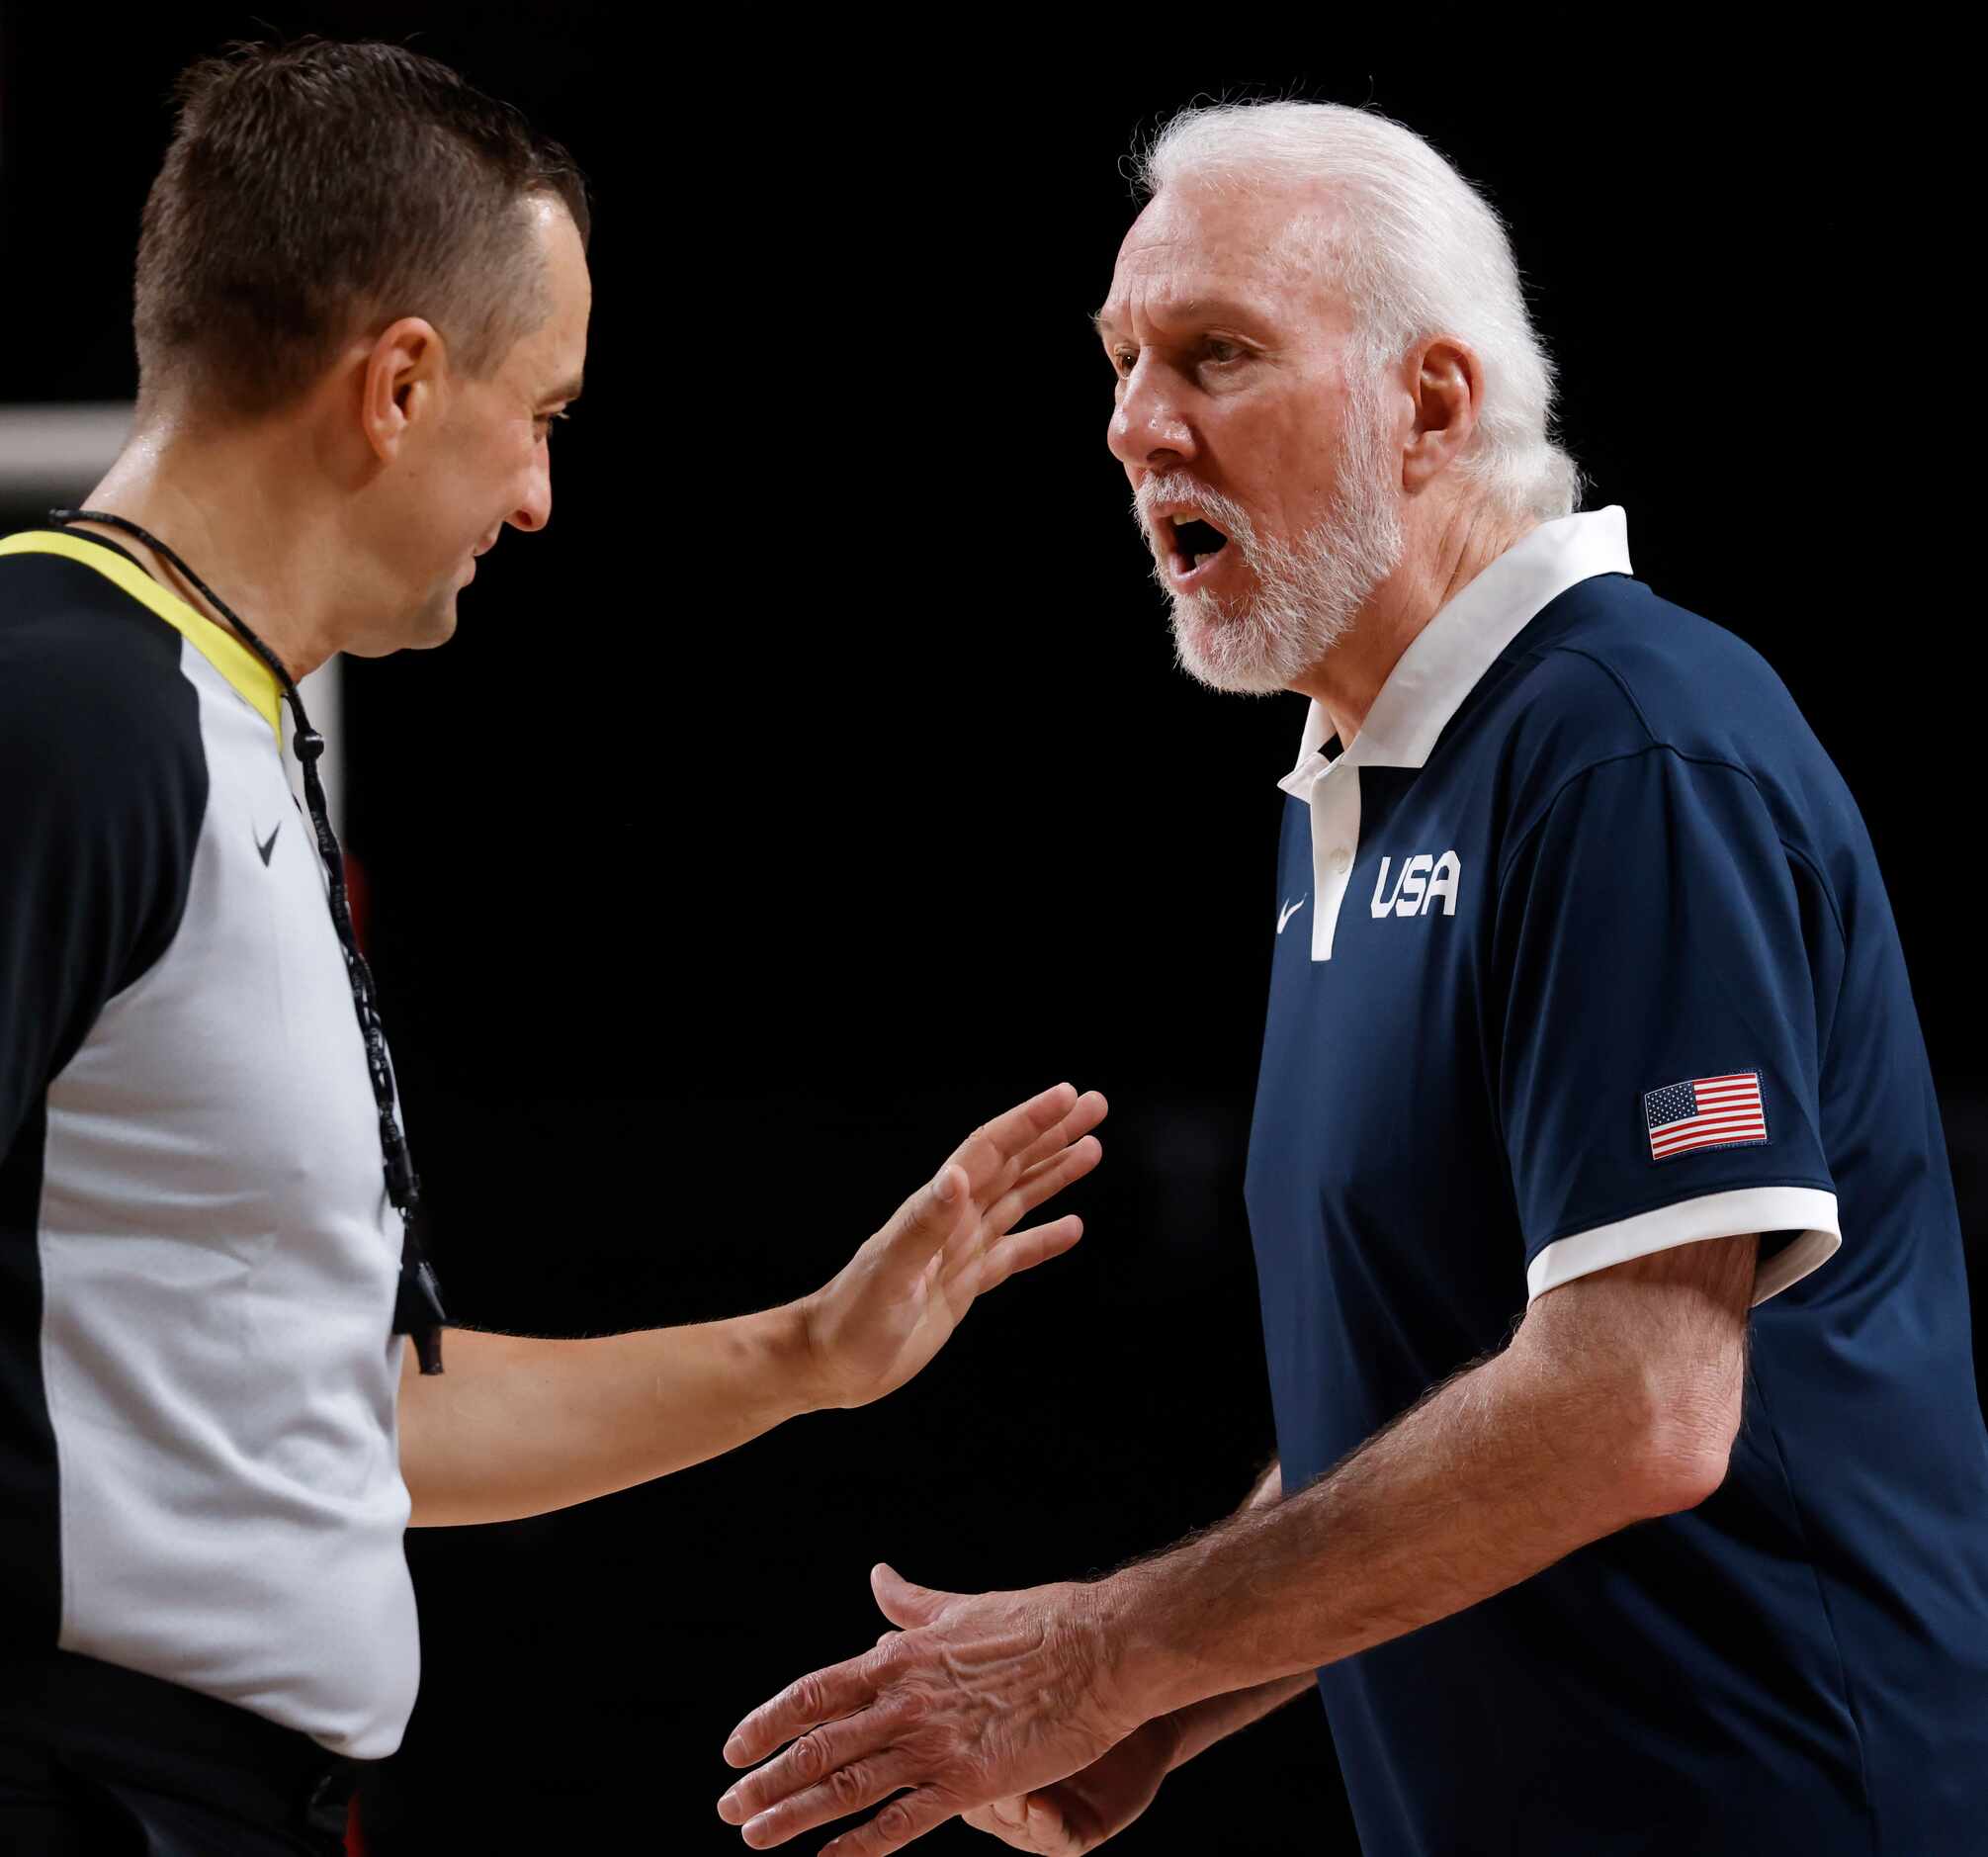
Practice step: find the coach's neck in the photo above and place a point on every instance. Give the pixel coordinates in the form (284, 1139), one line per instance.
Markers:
(1447, 542)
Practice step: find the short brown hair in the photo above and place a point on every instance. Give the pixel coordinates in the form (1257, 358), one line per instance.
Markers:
(314, 186)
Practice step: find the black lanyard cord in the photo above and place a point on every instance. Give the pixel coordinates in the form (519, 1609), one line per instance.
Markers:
(419, 1305)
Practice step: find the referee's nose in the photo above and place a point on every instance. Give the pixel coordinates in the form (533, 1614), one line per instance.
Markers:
(537, 508)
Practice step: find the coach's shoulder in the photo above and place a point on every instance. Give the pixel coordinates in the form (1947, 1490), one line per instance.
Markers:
(1626, 671)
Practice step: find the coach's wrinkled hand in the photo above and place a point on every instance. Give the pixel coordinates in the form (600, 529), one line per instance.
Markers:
(979, 1697)
(1078, 1815)
(894, 1304)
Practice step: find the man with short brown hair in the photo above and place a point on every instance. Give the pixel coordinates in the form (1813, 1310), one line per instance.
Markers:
(362, 302)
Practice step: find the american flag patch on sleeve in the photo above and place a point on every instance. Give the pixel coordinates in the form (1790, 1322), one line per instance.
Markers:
(1707, 1112)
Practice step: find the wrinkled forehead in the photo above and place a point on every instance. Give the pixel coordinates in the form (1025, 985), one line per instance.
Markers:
(1253, 247)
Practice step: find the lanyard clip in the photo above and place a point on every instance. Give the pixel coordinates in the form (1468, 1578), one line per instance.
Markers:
(403, 1184)
(418, 1308)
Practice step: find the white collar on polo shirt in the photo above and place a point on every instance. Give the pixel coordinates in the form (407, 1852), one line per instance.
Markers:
(1441, 666)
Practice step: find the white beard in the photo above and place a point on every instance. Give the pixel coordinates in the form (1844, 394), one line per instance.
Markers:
(1306, 597)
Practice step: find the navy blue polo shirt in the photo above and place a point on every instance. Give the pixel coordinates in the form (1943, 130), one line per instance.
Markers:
(1583, 952)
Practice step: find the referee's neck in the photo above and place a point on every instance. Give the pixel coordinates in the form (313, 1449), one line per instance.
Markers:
(230, 507)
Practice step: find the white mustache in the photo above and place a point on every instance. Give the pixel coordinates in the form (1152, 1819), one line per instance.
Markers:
(1229, 516)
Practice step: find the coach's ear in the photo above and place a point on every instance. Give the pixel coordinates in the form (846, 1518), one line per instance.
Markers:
(904, 1605)
(400, 387)
(1445, 385)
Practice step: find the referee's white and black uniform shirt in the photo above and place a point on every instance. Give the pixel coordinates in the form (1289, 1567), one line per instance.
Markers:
(1582, 952)
(198, 1259)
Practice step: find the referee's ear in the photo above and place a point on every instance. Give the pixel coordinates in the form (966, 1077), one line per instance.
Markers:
(401, 385)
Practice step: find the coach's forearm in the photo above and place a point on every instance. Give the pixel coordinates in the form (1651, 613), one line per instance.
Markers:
(1497, 1475)
(1201, 1724)
(518, 1426)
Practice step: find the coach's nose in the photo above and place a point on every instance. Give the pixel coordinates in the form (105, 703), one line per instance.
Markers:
(1149, 429)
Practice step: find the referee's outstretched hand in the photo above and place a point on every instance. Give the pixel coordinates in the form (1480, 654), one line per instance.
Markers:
(894, 1304)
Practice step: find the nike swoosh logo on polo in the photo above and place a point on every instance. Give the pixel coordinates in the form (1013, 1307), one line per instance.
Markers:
(265, 846)
(1290, 910)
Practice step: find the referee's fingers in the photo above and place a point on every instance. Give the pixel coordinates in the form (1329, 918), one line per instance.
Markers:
(1044, 1182)
(1024, 1249)
(920, 1227)
(986, 1152)
(1085, 1114)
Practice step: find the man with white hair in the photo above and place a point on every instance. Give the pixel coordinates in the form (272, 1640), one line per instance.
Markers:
(1632, 1494)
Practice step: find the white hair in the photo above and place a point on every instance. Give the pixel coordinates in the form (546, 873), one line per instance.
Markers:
(1422, 253)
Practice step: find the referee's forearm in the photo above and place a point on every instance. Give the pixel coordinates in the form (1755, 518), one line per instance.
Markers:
(519, 1426)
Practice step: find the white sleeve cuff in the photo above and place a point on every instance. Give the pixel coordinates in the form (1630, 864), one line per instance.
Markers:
(1805, 1211)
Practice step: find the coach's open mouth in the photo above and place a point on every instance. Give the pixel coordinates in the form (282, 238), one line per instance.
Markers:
(1195, 544)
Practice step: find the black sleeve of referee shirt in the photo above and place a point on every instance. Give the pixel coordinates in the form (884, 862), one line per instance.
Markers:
(103, 785)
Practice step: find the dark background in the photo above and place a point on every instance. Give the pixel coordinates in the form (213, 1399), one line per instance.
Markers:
(820, 782)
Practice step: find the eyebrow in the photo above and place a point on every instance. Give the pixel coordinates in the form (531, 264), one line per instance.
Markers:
(1189, 309)
(569, 391)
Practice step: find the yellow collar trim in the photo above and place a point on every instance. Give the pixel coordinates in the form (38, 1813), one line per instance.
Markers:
(249, 676)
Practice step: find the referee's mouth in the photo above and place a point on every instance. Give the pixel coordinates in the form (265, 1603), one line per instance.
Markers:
(481, 549)
(1194, 546)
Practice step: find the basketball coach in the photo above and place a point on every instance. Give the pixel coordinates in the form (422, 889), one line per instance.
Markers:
(362, 302)
(1633, 1492)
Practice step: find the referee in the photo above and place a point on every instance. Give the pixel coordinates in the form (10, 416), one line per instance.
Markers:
(225, 1388)
(1633, 1489)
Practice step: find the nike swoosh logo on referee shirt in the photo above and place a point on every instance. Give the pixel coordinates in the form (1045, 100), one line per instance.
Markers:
(265, 846)
(1290, 910)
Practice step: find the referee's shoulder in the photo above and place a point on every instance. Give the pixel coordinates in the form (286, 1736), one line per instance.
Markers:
(90, 685)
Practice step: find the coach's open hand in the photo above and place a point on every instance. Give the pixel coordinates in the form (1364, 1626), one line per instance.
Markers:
(978, 1698)
(892, 1308)
(1077, 1815)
